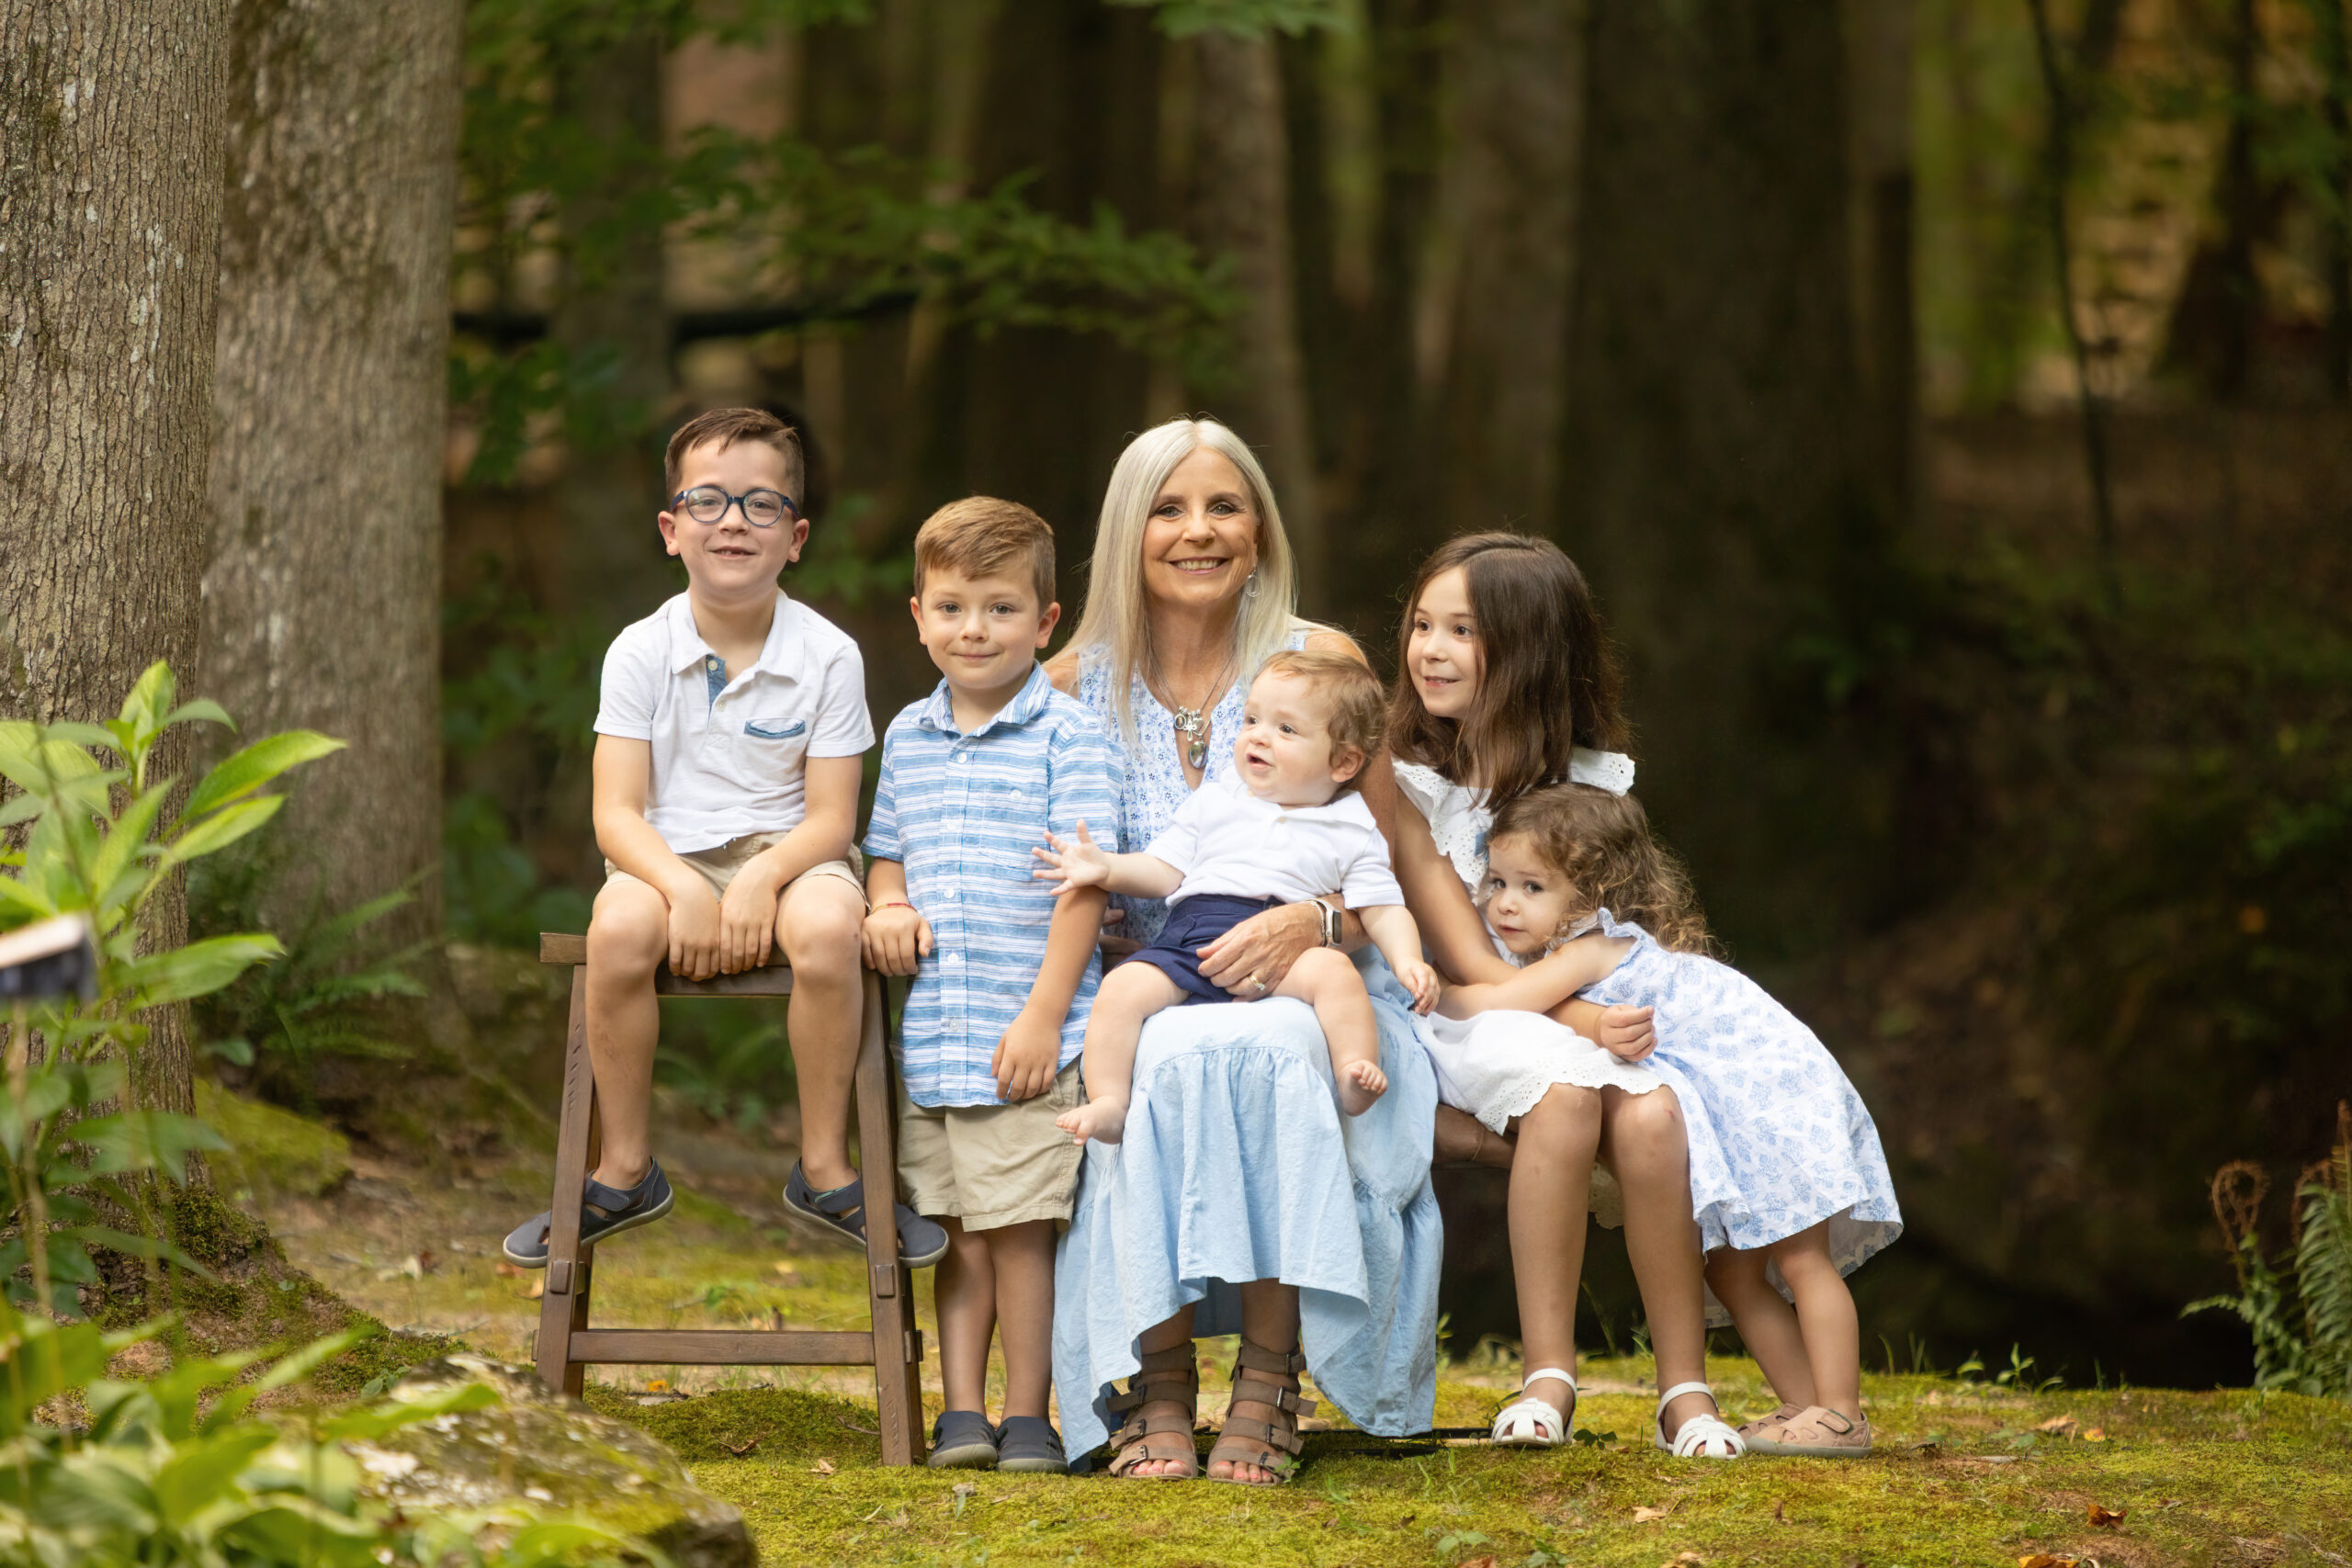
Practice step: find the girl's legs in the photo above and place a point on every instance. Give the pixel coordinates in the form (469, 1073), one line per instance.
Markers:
(1177, 1330)
(1327, 981)
(1270, 1320)
(1824, 1314)
(1644, 1137)
(1550, 1197)
(1130, 995)
(1766, 1322)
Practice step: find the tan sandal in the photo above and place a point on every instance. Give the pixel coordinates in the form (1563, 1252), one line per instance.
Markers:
(1243, 1441)
(1133, 1439)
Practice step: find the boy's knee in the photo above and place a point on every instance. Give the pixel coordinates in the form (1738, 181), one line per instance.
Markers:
(630, 931)
(820, 929)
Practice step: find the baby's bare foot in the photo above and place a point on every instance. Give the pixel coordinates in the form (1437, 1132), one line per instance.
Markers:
(1360, 1085)
(1100, 1119)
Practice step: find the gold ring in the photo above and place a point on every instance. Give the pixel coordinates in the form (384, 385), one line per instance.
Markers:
(1256, 982)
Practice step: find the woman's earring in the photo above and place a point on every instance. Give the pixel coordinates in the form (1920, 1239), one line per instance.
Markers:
(1250, 586)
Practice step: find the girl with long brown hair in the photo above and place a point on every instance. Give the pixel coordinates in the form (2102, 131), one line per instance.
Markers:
(1507, 685)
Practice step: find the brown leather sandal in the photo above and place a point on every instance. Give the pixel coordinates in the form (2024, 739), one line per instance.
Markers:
(1173, 1366)
(1243, 1441)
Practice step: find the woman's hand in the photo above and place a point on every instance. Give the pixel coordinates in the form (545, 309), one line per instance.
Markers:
(1252, 959)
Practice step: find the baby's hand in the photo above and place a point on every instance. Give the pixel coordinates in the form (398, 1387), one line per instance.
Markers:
(1077, 862)
(1627, 1033)
(1422, 981)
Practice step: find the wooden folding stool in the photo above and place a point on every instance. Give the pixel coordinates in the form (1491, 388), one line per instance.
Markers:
(893, 1348)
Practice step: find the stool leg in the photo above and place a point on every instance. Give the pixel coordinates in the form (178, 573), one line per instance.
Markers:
(563, 1309)
(897, 1351)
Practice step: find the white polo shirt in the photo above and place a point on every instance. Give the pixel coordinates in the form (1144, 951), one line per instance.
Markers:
(731, 746)
(1226, 839)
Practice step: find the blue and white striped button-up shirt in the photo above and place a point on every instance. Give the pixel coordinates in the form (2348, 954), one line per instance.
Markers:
(962, 813)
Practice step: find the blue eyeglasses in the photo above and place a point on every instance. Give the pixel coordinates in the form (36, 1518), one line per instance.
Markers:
(762, 508)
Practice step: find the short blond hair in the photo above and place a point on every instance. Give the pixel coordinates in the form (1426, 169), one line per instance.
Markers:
(981, 535)
(1359, 705)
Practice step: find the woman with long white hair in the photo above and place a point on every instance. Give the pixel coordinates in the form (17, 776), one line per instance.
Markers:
(1239, 1199)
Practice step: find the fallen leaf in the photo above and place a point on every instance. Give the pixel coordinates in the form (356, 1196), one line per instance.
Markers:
(1778, 1516)
(2096, 1435)
(539, 1289)
(657, 1385)
(425, 1261)
(2058, 1424)
(506, 1271)
(822, 1467)
(2043, 1560)
(748, 1446)
(1486, 1561)
(1684, 1559)
(2107, 1517)
(964, 1490)
(1650, 1516)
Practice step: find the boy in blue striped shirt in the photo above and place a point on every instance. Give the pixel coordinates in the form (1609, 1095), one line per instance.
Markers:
(971, 777)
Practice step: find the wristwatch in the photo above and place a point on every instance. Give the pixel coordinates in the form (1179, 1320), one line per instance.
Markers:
(1333, 921)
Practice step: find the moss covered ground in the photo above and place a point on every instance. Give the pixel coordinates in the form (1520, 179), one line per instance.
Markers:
(1966, 1473)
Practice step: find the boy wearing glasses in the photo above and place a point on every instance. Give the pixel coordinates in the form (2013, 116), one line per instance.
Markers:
(729, 746)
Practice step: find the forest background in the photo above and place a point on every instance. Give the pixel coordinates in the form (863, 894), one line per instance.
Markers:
(1947, 396)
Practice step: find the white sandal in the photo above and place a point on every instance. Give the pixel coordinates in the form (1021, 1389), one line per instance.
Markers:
(1699, 1437)
(1532, 1423)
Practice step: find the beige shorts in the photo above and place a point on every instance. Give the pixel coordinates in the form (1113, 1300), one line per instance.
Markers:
(991, 1165)
(718, 866)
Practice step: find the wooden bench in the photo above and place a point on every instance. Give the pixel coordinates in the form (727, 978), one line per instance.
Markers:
(568, 1346)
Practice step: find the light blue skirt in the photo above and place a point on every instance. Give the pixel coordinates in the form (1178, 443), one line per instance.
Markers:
(1236, 1165)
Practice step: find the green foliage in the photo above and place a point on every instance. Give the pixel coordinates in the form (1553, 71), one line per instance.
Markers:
(2301, 1322)
(319, 999)
(178, 1470)
(835, 232)
(101, 845)
(1246, 19)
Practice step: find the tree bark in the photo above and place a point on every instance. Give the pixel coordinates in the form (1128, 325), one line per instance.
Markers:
(1719, 502)
(612, 315)
(2336, 110)
(110, 124)
(1517, 91)
(322, 592)
(1879, 35)
(1239, 207)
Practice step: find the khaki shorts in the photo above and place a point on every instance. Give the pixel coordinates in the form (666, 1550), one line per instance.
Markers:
(718, 866)
(990, 1166)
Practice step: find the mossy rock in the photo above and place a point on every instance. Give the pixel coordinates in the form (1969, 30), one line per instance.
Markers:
(549, 1456)
(270, 1149)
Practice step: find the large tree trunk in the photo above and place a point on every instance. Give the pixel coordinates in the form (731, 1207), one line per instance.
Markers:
(111, 123)
(1517, 92)
(612, 318)
(1719, 501)
(1239, 207)
(322, 593)
(1879, 35)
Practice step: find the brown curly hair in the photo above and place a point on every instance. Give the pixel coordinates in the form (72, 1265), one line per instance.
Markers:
(1600, 844)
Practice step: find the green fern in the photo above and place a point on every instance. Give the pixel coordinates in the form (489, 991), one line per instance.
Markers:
(2303, 1345)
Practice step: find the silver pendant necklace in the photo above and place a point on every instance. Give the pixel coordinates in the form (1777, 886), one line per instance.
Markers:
(1193, 724)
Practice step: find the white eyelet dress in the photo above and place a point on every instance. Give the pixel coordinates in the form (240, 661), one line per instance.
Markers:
(1236, 1165)
(1496, 1066)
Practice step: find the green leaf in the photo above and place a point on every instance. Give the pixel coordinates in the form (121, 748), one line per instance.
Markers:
(202, 1472)
(21, 904)
(150, 695)
(23, 808)
(196, 970)
(373, 1421)
(225, 827)
(127, 835)
(76, 733)
(202, 709)
(242, 773)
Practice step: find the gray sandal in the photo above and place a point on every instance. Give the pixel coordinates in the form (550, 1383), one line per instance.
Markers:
(605, 1212)
(921, 1242)
(962, 1439)
(1029, 1444)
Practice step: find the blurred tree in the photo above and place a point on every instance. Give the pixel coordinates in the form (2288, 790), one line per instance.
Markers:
(2331, 28)
(111, 117)
(1719, 499)
(1881, 46)
(1516, 88)
(611, 321)
(322, 591)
